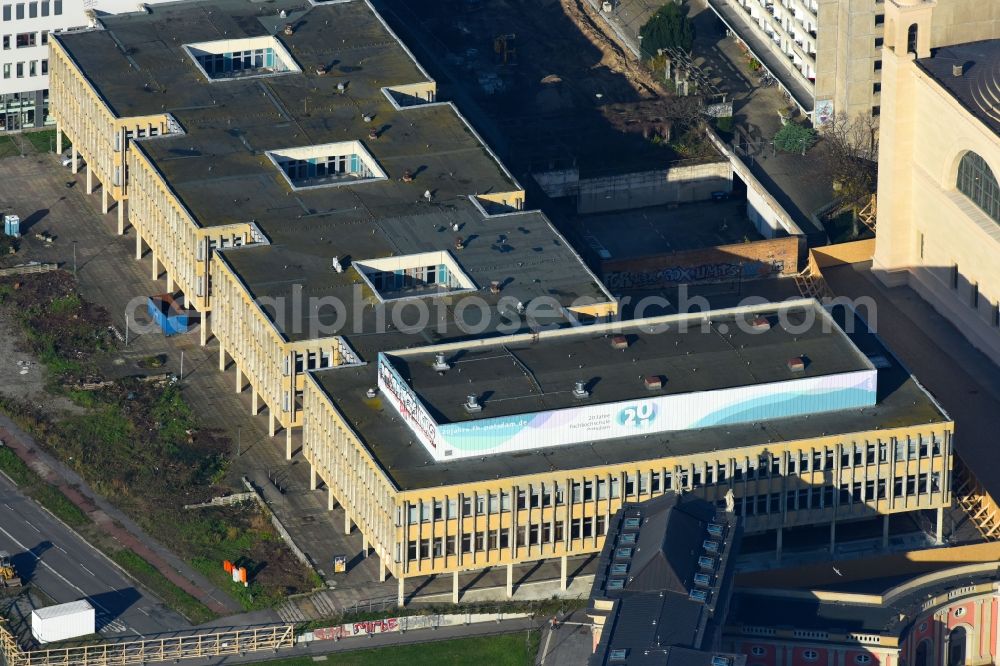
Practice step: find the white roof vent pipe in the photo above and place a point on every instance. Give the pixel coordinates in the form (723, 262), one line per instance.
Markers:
(472, 404)
(441, 365)
(580, 390)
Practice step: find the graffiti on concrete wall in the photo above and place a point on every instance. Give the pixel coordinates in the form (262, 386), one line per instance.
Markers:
(655, 278)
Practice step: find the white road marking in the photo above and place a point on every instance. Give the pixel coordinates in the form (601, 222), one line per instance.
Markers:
(60, 548)
(545, 650)
(56, 573)
(143, 611)
(88, 571)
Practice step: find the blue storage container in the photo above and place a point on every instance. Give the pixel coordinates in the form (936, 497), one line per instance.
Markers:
(168, 315)
(12, 226)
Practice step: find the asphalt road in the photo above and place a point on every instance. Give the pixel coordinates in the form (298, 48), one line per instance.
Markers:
(51, 557)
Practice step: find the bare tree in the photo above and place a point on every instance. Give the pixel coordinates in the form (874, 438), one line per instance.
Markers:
(851, 154)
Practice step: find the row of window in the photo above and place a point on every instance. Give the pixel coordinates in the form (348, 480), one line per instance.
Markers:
(655, 482)
(237, 61)
(19, 70)
(25, 39)
(527, 535)
(34, 9)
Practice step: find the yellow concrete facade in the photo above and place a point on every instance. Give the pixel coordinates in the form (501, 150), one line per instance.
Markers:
(930, 235)
(526, 518)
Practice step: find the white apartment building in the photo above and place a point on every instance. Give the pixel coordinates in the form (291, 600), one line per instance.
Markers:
(25, 26)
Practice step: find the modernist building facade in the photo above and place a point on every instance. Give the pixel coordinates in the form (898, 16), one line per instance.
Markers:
(827, 54)
(440, 488)
(311, 199)
(939, 200)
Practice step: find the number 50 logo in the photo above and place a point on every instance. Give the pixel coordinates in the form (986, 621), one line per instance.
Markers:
(639, 415)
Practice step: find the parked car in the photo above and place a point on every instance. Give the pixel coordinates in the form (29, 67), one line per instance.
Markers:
(68, 161)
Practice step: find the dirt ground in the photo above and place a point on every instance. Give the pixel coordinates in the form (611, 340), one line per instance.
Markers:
(559, 89)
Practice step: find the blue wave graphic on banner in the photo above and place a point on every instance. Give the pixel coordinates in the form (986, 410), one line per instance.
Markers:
(783, 406)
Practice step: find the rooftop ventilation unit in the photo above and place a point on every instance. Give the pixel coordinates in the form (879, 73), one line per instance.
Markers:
(619, 342)
(619, 569)
(632, 523)
(719, 660)
(702, 579)
(580, 391)
(760, 324)
(797, 364)
(653, 382)
(336, 265)
(472, 404)
(698, 595)
(715, 529)
(371, 393)
(441, 365)
(623, 553)
(706, 563)
(618, 655)
(710, 546)
(627, 539)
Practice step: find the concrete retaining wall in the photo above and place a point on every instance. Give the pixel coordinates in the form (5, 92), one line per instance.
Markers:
(400, 624)
(844, 253)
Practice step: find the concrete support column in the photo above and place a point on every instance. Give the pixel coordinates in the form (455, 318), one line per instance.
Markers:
(105, 205)
(885, 531)
(203, 328)
(90, 179)
(59, 140)
(381, 571)
(239, 378)
(939, 532)
(288, 443)
(510, 581)
(312, 478)
(833, 535)
(778, 548)
(170, 283)
(329, 499)
(364, 544)
(253, 402)
(347, 522)
(454, 587)
(270, 422)
(222, 358)
(121, 217)
(401, 601)
(155, 271)
(562, 572)
(75, 156)
(138, 246)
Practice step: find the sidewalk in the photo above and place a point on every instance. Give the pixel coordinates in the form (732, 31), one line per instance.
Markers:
(113, 522)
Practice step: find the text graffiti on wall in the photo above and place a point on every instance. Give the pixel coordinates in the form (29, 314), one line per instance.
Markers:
(356, 629)
(406, 402)
(717, 272)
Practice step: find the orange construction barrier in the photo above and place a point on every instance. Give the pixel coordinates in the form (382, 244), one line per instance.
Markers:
(243, 575)
(228, 566)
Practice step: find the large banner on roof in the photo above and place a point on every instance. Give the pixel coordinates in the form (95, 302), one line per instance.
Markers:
(658, 414)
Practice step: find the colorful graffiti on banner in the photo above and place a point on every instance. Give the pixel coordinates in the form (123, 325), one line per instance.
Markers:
(406, 402)
(717, 272)
(339, 631)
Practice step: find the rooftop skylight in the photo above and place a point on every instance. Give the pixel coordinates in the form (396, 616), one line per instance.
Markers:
(326, 165)
(230, 59)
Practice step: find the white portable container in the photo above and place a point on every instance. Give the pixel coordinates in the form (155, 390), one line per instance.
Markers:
(62, 622)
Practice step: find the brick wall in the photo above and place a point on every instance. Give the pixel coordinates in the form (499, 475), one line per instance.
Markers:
(722, 263)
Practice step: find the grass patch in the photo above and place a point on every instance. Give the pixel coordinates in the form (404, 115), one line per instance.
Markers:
(7, 147)
(40, 490)
(150, 576)
(516, 649)
(44, 141)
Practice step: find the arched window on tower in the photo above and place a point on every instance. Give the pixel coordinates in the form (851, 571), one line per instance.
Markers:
(977, 181)
(911, 39)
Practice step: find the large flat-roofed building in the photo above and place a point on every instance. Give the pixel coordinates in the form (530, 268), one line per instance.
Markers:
(294, 176)
(492, 452)
(939, 160)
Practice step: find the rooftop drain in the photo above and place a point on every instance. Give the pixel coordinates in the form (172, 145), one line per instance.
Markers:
(231, 59)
